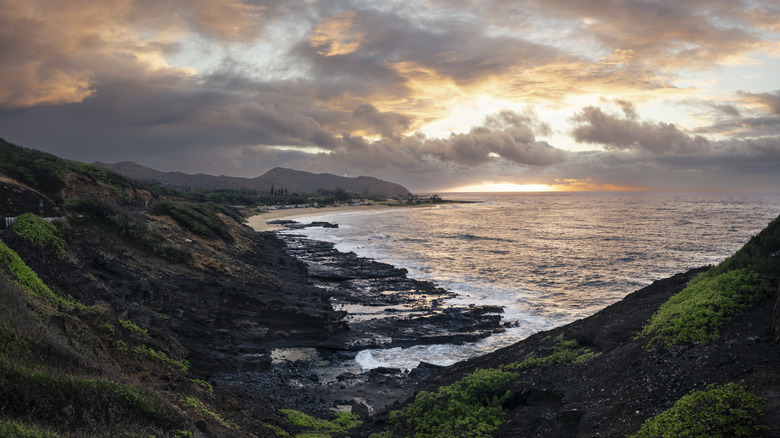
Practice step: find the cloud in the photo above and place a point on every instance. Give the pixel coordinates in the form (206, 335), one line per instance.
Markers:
(769, 101)
(730, 165)
(756, 115)
(63, 52)
(368, 118)
(354, 81)
(616, 133)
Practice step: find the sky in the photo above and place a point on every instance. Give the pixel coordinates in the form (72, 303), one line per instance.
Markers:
(435, 95)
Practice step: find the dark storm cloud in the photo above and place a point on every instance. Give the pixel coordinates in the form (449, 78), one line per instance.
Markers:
(734, 165)
(616, 133)
(89, 80)
(387, 124)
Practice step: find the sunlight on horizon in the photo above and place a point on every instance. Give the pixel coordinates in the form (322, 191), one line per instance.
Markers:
(504, 187)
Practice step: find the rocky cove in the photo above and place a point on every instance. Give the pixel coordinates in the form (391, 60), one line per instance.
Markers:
(380, 308)
(226, 328)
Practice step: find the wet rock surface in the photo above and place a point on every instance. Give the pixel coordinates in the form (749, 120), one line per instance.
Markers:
(626, 381)
(384, 308)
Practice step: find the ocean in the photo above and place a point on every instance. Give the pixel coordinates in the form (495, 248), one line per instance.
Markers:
(547, 258)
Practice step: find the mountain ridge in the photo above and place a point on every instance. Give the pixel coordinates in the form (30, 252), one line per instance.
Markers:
(280, 178)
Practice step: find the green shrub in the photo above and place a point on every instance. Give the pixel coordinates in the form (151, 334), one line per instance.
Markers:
(107, 328)
(161, 358)
(46, 172)
(696, 313)
(72, 403)
(25, 277)
(756, 254)
(342, 423)
(192, 402)
(134, 329)
(564, 352)
(39, 232)
(20, 430)
(203, 384)
(197, 218)
(91, 207)
(13, 343)
(472, 406)
(721, 411)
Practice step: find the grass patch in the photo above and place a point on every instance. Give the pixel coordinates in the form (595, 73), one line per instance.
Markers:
(696, 313)
(472, 406)
(78, 403)
(46, 172)
(313, 427)
(197, 218)
(129, 224)
(38, 232)
(160, 357)
(756, 254)
(192, 402)
(203, 384)
(134, 329)
(25, 277)
(563, 353)
(720, 411)
(20, 430)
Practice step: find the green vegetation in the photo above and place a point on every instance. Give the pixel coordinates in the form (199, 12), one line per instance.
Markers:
(192, 402)
(39, 232)
(21, 274)
(196, 218)
(564, 352)
(20, 430)
(89, 401)
(160, 357)
(203, 384)
(696, 313)
(756, 254)
(129, 224)
(107, 328)
(720, 411)
(313, 427)
(134, 329)
(46, 173)
(472, 406)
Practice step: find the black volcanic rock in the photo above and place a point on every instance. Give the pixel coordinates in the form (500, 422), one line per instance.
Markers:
(388, 309)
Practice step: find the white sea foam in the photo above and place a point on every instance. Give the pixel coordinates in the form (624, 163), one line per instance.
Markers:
(548, 258)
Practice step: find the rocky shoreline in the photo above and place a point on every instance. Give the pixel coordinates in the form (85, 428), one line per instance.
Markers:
(611, 395)
(386, 309)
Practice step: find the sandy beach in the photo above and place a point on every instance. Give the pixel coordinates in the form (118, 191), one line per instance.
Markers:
(260, 221)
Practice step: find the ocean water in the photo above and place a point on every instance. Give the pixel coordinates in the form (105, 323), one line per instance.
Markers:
(547, 258)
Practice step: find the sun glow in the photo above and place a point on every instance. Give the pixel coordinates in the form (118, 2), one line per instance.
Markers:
(505, 187)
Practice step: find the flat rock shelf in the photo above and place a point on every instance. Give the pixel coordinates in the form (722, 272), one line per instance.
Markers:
(382, 308)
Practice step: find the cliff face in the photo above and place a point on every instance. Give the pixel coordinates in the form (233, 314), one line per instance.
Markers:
(150, 296)
(223, 304)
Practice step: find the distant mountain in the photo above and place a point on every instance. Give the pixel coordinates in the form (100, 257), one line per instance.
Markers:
(280, 178)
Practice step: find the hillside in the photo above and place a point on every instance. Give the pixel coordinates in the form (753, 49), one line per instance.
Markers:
(294, 181)
(693, 355)
(142, 314)
(112, 320)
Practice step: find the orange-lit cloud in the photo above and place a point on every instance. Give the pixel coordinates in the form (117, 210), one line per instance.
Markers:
(271, 83)
(337, 35)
